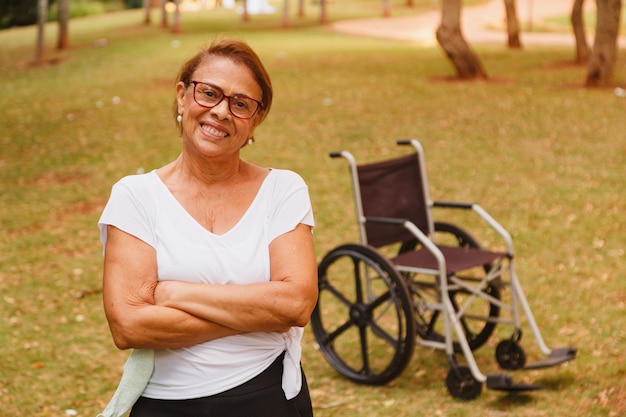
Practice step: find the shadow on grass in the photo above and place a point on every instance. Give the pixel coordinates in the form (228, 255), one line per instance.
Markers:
(557, 382)
(512, 399)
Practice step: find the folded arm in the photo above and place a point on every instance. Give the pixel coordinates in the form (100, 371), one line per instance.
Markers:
(286, 300)
(130, 278)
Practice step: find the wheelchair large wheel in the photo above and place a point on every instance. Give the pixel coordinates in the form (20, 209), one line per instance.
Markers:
(363, 321)
(478, 322)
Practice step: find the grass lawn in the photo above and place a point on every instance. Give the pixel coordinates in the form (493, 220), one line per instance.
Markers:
(543, 155)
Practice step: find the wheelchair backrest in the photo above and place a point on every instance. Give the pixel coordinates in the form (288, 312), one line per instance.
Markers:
(395, 188)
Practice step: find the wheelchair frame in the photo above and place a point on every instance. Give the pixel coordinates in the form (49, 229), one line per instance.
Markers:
(442, 263)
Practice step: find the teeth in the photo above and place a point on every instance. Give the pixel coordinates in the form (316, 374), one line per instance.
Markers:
(212, 131)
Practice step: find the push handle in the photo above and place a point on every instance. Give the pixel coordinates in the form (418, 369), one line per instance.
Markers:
(404, 142)
(335, 155)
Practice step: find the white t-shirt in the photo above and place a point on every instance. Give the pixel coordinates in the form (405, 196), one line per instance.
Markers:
(143, 206)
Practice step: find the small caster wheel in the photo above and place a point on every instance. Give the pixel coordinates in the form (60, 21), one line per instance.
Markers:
(510, 355)
(462, 384)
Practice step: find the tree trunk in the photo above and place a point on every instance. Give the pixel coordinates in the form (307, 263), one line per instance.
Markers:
(42, 17)
(286, 22)
(301, 8)
(176, 21)
(456, 48)
(163, 13)
(604, 53)
(386, 8)
(578, 26)
(245, 15)
(512, 24)
(64, 19)
(147, 5)
(323, 12)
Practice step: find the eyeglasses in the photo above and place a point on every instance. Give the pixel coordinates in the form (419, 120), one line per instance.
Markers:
(241, 106)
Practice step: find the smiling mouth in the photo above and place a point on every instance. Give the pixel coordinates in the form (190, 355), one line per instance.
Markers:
(214, 132)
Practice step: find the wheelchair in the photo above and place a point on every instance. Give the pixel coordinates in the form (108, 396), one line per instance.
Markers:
(437, 287)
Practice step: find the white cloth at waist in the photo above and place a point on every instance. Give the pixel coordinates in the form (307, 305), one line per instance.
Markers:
(139, 369)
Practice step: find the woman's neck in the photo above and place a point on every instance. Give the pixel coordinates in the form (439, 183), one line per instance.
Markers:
(215, 172)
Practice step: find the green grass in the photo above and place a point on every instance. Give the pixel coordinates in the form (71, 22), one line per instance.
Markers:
(543, 155)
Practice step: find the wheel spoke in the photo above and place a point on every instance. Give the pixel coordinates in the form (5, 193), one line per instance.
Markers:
(394, 342)
(378, 301)
(330, 337)
(358, 290)
(328, 286)
(430, 328)
(366, 370)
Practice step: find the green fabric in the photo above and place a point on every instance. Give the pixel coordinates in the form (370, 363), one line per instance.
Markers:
(137, 372)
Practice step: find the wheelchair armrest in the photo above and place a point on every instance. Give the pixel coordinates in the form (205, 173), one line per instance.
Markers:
(386, 220)
(482, 213)
(504, 234)
(453, 204)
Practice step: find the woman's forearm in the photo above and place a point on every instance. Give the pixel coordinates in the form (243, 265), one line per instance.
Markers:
(286, 300)
(269, 306)
(161, 327)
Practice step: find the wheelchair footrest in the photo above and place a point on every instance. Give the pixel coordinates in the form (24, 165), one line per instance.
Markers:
(556, 357)
(504, 382)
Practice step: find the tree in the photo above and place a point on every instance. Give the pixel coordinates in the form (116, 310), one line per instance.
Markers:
(451, 39)
(301, 8)
(147, 5)
(64, 18)
(386, 8)
(323, 11)
(163, 13)
(42, 17)
(578, 26)
(512, 24)
(604, 53)
(286, 21)
(245, 15)
(176, 28)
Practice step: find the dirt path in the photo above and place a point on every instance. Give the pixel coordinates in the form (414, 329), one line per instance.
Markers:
(479, 24)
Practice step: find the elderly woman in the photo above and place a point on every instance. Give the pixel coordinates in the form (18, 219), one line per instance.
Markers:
(209, 260)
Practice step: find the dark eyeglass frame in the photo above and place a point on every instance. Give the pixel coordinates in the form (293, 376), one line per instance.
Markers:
(224, 96)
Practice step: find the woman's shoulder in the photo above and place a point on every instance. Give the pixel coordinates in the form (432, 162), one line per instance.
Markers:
(141, 180)
(285, 176)
(284, 184)
(138, 186)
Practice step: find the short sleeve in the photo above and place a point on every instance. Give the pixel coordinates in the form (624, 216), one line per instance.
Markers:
(292, 205)
(129, 210)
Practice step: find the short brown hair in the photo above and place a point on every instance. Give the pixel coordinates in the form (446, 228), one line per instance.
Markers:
(239, 52)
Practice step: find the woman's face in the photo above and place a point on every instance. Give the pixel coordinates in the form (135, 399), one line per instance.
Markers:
(214, 132)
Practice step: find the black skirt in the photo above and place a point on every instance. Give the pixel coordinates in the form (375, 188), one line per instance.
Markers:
(262, 396)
